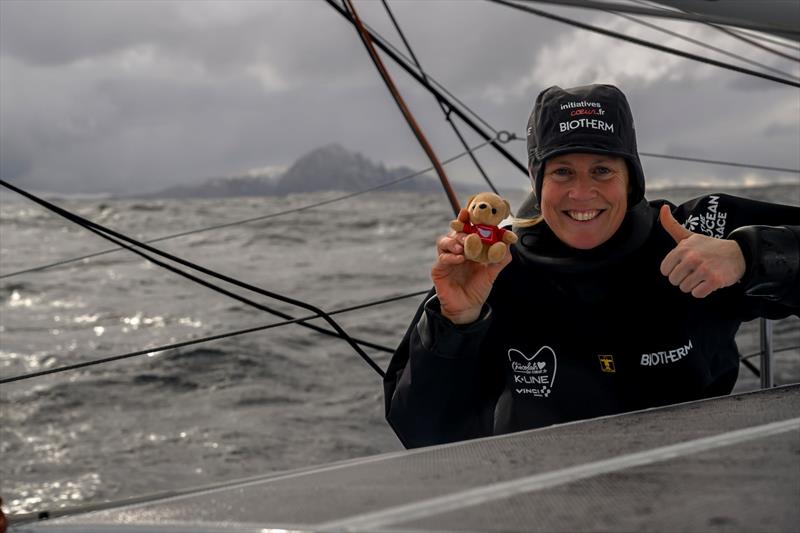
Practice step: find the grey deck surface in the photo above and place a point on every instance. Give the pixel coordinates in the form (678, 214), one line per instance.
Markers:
(749, 484)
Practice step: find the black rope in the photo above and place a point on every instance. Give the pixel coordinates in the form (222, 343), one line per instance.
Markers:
(711, 161)
(705, 45)
(385, 44)
(725, 163)
(647, 44)
(442, 105)
(173, 346)
(408, 115)
(118, 239)
(396, 56)
(495, 141)
(730, 32)
(471, 155)
(751, 42)
(663, 12)
(784, 349)
(244, 221)
(754, 369)
(764, 38)
(750, 366)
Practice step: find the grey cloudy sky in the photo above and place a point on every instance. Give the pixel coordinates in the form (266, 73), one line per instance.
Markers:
(115, 96)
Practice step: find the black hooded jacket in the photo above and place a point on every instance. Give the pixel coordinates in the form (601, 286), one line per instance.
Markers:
(568, 334)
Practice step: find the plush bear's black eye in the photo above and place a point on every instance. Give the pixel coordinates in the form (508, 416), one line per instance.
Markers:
(494, 211)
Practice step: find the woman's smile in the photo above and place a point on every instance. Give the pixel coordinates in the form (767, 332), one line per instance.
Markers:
(583, 215)
(584, 197)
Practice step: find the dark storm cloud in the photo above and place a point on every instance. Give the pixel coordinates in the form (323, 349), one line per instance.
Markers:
(133, 96)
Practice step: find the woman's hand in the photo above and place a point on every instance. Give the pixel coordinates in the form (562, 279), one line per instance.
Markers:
(462, 285)
(699, 264)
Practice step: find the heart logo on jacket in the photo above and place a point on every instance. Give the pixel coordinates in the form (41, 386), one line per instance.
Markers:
(533, 377)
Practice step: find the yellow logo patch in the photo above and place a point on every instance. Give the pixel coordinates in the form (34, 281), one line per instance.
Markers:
(607, 363)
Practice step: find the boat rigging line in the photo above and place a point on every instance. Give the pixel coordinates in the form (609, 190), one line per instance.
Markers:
(121, 239)
(764, 38)
(249, 220)
(706, 45)
(500, 138)
(442, 105)
(641, 42)
(378, 38)
(504, 136)
(716, 162)
(779, 350)
(398, 98)
(663, 12)
(386, 45)
(210, 338)
(737, 34)
(742, 37)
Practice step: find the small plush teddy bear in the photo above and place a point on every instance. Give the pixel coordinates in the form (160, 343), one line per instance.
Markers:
(486, 243)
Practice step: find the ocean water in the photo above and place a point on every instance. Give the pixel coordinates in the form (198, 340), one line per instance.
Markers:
(256, 403)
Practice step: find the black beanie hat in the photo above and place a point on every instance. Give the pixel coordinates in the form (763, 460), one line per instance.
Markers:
(592, 119)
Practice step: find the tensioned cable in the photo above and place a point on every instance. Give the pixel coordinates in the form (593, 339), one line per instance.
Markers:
(744, 359)
(728, 31)
(750, 366)
(713, 161)
(433, 81)
(663, 12)
(118, 239)
(247, 220)
(401, 104)
(784, 349)
(396, 56)
(445, 109)
(210, 338)
(385, 43)
(766, 39)
(704, 45)
(514, 136)
(725, 163)
(751, 42)
(724, 30)
(501, 137)
(644, 43)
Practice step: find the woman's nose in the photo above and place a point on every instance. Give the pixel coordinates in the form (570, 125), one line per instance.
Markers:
(583, 188)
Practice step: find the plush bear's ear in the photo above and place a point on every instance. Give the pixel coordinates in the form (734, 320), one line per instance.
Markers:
(466, 206)
(508, 208)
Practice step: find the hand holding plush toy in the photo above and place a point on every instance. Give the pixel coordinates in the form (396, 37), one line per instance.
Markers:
(486, 243)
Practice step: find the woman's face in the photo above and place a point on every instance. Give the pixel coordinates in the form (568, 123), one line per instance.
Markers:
(584, 197)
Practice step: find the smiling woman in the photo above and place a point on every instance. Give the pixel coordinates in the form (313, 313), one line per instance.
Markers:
(607, 303)
(584, 198)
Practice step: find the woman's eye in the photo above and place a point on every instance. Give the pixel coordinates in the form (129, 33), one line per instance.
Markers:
(603, 172)
(562, 173)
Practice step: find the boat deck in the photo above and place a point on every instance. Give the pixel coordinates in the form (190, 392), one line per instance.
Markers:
(729, 464)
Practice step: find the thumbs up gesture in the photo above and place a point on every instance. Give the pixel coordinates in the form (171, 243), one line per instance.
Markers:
(699, 264)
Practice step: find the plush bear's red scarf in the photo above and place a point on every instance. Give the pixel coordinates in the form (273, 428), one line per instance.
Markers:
(488, 234)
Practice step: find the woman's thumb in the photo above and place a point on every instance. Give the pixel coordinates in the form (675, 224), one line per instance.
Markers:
(672, 226)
